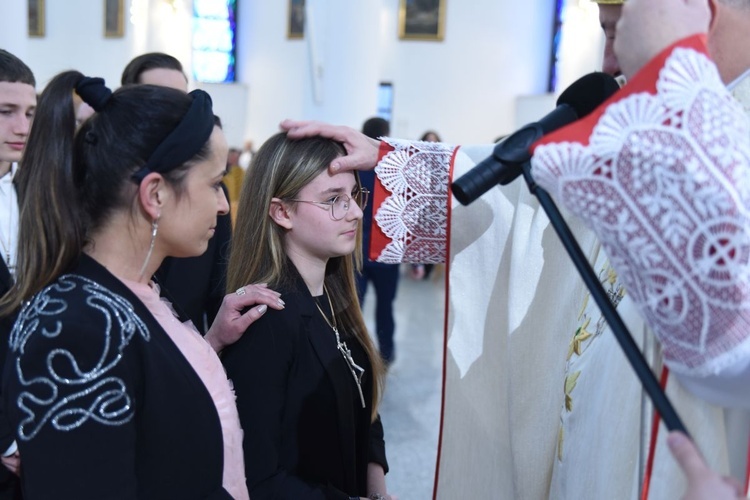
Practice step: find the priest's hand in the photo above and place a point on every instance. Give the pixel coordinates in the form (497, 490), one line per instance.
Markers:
(703, 483)
(361, 151)
(238, 311)
(647, 27)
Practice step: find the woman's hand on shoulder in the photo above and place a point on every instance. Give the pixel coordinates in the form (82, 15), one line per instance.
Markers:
(12, 462)
(238, 311)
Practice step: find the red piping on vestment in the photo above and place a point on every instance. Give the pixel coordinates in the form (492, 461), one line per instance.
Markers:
(378, 239)
(445, 322)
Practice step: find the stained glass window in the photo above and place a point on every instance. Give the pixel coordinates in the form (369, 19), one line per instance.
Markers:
(214, 40)
(555, 53)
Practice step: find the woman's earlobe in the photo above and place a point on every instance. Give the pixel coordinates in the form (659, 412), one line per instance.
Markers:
(152, 195)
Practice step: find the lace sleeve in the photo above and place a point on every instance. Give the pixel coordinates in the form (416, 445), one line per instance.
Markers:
(663, 178)
(414, 215)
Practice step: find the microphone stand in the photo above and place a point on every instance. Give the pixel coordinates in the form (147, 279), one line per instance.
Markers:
(623, 336)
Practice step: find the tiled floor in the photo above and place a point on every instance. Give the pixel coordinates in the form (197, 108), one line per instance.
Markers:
(411, 405)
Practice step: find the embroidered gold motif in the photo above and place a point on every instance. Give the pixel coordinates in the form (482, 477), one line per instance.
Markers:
(580, 336)
(583, 337)
(570, 384)
(611, 276)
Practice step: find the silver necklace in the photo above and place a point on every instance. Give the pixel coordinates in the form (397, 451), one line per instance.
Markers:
(356, 370)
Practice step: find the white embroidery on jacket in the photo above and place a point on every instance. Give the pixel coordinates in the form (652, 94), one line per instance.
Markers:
(665, 184)
(415, 215)
(68, 391)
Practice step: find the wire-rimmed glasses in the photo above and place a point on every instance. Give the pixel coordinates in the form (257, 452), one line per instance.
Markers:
(339, 204)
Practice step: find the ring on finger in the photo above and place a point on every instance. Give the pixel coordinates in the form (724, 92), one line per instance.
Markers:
(240, 291)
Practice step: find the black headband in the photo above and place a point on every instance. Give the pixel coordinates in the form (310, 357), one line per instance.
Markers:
(184, 142)
(93, 92)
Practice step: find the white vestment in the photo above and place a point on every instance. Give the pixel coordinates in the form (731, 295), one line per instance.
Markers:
(539, 400)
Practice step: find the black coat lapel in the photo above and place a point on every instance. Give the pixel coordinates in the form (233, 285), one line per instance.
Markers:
(5, 280)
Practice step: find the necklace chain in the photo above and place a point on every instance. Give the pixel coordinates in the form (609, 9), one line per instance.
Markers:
(356, 370)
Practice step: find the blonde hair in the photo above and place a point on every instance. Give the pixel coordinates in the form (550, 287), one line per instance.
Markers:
(280, 169)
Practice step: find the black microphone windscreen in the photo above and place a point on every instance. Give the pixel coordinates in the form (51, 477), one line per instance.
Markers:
(588, 92)
(509, 156)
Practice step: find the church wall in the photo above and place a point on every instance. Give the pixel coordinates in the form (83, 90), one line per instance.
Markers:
(465, 87)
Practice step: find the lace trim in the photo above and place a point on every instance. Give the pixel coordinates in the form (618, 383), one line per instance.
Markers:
(69, 391)
(665, 184)
(415, 215)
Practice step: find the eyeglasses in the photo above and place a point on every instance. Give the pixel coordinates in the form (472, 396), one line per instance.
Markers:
(339, 204)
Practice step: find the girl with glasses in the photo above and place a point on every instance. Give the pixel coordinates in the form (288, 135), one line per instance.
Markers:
(308, 380)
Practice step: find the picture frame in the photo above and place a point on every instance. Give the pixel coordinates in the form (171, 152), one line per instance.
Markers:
(36, 16)
(114, 18)
(421, 20)
(296, 20)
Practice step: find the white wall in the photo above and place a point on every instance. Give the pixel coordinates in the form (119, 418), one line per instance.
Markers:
(581, 48)
(582, 42)
(73, 40)
(465, 87)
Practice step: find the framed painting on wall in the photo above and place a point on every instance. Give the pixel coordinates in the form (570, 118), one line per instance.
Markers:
(36, 18)
(114, 18)
(421, 20)
(296, 21)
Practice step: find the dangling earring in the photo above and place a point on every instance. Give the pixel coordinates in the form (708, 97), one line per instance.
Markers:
(154, 230)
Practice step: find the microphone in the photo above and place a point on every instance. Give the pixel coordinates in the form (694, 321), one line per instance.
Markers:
(508, 157)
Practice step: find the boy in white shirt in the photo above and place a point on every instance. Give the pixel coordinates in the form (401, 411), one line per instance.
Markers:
(17, 106)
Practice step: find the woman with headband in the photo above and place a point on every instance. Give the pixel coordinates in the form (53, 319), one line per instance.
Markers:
(110, 393)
